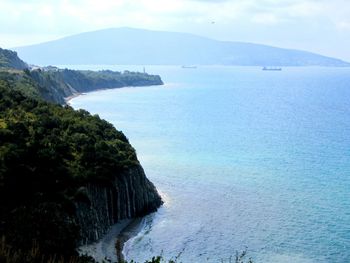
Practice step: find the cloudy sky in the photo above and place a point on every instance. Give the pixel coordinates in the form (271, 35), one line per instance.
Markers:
(321, 26)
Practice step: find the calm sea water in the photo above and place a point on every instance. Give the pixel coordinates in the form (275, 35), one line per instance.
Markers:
(242, 158)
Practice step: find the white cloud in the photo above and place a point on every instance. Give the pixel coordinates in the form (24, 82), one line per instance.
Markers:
(277, 22)
(268, 19)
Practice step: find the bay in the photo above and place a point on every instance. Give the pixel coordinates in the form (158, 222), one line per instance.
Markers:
(243, 158)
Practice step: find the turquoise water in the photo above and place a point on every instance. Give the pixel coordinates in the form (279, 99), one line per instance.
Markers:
(242, 158)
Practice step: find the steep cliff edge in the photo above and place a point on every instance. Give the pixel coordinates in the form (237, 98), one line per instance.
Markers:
(65, 176)
(130, 195)
(55, 85)
(62, 83)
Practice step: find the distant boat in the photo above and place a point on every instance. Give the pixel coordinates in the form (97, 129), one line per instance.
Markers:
(189, 66)
(271, 69)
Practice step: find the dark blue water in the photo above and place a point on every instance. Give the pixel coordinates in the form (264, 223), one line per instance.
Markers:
(243, 158)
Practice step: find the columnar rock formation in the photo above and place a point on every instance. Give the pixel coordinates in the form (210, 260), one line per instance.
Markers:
(130, 195)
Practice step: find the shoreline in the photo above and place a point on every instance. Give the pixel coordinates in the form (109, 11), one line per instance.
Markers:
(130, 231)
(110, 247)
(74, 95)
(77, 94)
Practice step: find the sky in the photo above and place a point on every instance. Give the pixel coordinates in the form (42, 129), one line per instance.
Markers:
(321, 26)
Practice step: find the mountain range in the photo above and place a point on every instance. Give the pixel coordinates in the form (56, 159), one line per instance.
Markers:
(129, 46)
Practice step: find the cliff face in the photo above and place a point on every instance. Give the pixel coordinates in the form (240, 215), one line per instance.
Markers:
(130, 195)
(66, 176)
(55, 85)
(87, 80)
(58, 84)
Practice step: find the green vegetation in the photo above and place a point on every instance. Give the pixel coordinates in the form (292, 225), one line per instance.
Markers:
(21, 81)
(87, 80)
(64, 82)
(54, 85)
(8, 254)
(47, 153)
(10, 60)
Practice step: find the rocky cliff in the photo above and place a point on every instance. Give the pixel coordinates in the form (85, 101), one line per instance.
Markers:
(66, 176)
(62, 83)
(130, 195)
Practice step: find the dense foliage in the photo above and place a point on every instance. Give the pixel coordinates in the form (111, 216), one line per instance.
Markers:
(9, 59)
(55, 84)
(47, 152)
(87, 80)
(21, 81)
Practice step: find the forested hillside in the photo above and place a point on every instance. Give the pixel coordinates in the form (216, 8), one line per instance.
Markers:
(56, 85)
(65, 176)
(10, 60)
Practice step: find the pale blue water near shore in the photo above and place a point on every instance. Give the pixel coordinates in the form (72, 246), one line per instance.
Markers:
(243, 158)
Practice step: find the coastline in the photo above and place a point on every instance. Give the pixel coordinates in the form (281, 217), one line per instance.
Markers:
(77, 94)
(130, 231)
(74, 95)
(110, 247)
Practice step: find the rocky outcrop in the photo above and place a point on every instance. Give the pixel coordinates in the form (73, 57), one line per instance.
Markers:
(130, 195)
(57, 84)
(67, 164)
(10, 60)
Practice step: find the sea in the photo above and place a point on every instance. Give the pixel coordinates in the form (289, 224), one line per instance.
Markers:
(245, 160)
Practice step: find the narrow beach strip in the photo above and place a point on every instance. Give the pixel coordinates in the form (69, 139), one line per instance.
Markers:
(110, 247)
(130, 231)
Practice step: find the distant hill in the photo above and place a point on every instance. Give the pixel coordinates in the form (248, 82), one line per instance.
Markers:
(137, 46)
(9, 59)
